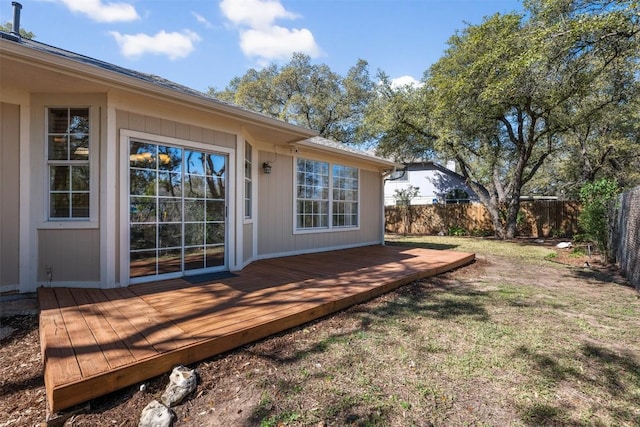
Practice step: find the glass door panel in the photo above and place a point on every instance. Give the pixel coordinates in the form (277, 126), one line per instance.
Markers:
(143, 209)
(177, 203)
(205, 204)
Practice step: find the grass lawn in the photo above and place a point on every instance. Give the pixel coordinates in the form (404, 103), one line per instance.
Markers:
(515, 339)
(512, 340)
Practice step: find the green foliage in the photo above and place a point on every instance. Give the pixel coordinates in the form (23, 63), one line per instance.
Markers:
(7, 27)
(557, 233)
(598, 200)
(306, 94)
(577, 252)
(539, 102)
(456, 230)
(397, 117)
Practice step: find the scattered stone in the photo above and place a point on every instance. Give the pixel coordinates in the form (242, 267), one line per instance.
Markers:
(143, 387)
(155, 414)
(59, 419)
(183, 382)
(564, 245)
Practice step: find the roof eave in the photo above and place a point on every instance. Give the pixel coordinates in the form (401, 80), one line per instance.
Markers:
(101, 75)
(383, 163)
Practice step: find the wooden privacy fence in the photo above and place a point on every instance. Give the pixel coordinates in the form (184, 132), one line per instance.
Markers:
(540, 218)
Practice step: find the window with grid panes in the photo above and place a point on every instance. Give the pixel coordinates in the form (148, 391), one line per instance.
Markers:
(345, 196)
(68, 163)
(326, 195)
(248, 182)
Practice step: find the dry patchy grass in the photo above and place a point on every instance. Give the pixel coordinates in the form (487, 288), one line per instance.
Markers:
(513, 339)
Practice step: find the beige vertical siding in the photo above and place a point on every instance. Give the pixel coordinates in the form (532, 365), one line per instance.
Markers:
(247, 242)
(73, 255)
(9, 193)
(275, 212)
(172, 129)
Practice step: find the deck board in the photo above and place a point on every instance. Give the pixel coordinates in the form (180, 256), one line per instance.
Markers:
(112, 347)
(82, 340)
(97, 341)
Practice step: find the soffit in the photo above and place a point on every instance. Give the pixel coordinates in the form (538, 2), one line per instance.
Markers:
(24, 69)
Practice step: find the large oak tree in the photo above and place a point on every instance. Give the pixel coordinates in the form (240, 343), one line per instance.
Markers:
(513, 93)
(310, 95)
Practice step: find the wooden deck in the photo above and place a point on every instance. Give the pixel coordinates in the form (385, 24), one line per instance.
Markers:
(98, 341)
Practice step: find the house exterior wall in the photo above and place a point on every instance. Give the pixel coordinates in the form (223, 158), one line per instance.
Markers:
(173, 129)
(36, 250)
(434, 184)
(69, 256)
(276, 235)
(66, 252)
(155, 126)
(9, 195)
(247, 243)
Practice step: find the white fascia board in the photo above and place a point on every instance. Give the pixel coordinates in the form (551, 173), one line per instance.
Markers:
(387, 164)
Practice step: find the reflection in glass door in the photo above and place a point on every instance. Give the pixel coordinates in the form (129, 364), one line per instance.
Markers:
(177, 205)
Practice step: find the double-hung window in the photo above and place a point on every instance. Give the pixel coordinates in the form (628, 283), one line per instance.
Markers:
(68, 163)
(345, 196)
(326, 195)
(248, 181)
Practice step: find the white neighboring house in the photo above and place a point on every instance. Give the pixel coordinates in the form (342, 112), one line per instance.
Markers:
(437, 184)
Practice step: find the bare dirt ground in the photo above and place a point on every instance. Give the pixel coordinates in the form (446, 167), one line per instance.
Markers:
(477, 346)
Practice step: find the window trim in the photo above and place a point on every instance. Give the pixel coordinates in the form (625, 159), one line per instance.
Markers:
(330, 228)
(247, 219)
(92, 221)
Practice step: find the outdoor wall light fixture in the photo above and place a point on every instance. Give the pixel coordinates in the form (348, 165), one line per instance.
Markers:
(266, 168)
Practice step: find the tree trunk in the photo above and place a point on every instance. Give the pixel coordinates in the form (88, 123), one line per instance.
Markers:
(512, 217)
(496, 220)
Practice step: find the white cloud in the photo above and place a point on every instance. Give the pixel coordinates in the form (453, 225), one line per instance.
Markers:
(260, 37)
(173, 45)
(254, 13)
(201, 19)
(278, 43)
(103, 12)
(405, 81)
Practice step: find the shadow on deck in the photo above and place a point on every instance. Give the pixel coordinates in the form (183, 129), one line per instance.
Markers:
(95, 341)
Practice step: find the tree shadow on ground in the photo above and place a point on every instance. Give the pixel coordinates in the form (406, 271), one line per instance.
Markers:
(614, 377)
(607, 275)
(423, 245)
(435, 298)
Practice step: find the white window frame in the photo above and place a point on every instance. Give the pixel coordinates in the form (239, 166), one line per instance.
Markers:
(331, 228)
(126, 136)
(73, 223)
(344, 202)
(248, 198)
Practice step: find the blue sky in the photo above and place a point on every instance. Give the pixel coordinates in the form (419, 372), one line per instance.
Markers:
(203, 43)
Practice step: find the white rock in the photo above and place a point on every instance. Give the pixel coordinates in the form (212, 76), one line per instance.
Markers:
(183, 381)
(155, 414)
(564, 245)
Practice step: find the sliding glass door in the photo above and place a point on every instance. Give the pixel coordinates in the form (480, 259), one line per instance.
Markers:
(177, 210)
